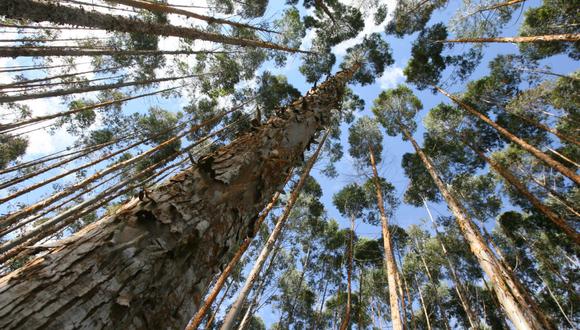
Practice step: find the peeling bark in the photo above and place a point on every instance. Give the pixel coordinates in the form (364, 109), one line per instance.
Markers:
(148, 264)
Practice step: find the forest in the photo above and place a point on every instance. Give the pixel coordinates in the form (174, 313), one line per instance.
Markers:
(289, 164)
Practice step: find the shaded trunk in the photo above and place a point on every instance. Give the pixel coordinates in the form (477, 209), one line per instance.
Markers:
(520, 142)
(346, 320)
(21, 51)
(459, 288)
(569, 37)
(562, 137)
(146, 265)
(44, 11)
(86, 89)
(556, 195)
(513, 299)
(232, 314)
(161, 8)
(423, 306)
(390, 264)
(521, 188)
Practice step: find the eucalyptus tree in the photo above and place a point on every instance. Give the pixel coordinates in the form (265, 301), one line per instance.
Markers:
(411, 16)
(516, 302)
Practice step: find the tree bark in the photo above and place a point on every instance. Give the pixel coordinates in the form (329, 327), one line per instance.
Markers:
(159, 7)
(562, 137)
(146, 265)
(232, 314)
(513, 299)
(568, 37)
(302, 274)
(390, 264)
(37, 11)
(423, 306)
(521, 188)
(520, 142)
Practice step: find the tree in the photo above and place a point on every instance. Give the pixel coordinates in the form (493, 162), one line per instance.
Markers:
(513, 299)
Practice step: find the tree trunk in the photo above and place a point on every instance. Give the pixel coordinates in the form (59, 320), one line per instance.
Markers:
(423, 306)
(562, 137)
(521, 188)
(44, 11)
(296, 294)
(147, 264)
(520, 142)
(495, 6)
(513, 300)
(161, 8)
(569, 37)
(346, 320)
(390, 264)
(459, 288)
(86, 89)
(556, 195)
(200, 314)
(21, 51)
(232, 314)
(217, 308)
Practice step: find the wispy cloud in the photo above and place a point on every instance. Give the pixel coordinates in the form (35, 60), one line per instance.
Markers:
(391, 77)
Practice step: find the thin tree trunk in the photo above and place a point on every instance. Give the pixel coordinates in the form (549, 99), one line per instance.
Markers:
(161, 8)
(423, 306)
(520, 142)
(23, 51)
(217, 308)
(573, 326)
(568, 37)
(513, 300)
(346, 320)
(323, 300)
(495, 6)
(24, 83)
(302, 274)
(390, 264)
(42, 11)
(94, 88)
(562, 137)
(232, 314)
(410, 300)
(26, 122)
(167, 247)
(360, 297)
(556, 195)
(459, 288)
(521, 188)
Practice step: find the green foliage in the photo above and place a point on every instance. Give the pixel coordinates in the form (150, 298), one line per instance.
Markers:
(426, 64)
(351, 201)
(363, 136)
(396, 108)
(374, 55)
(11, 148)
(411, 16)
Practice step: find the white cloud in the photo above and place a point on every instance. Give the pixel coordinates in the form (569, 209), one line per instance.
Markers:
(391, 77)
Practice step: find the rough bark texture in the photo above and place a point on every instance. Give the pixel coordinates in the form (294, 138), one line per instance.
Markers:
(520, 142)
(40, 11)
(571, 37)
(390, 264)
(147, 265)
(515, 301)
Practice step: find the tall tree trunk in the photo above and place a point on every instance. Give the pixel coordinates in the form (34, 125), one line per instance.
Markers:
(232, 314)
(423, 306)
(360, 297)
(459, 288)
(22, 51)
(45, 11)
(167, 247)
(570, 37)
(217, 308)
(161, 8)
(520, 142)
(346, 319)
(323, 299)
(390, 264)
(296, 294)
(537, 124)
(513, 300)
(521, 188)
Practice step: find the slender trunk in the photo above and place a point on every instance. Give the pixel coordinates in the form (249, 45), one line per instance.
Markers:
(323, 300)
(161, 8)
(572, 325)
(232, 314)
(360, 297)
(563, 157)
(33, 67)
(321, 5)
(521, 188)
(26, 122)
(520, 142)
(568, 37)
(24, 83)
(297, 293)
(410, 300)
(495, 6)
(23, 51)
(86, 89)
(513, 300)
(423, 305)
(167, 247)
(390, 264)
(346, 320)
(44, 11)
(562, 137)
(459, 288)
(217, 308)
